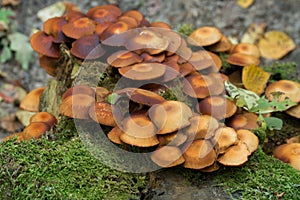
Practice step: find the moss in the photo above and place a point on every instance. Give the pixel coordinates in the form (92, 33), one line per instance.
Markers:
(43, 169)
(283, 70)
(185, 29)
(262, 177)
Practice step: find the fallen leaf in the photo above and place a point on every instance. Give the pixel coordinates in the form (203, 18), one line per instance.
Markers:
(11, 93)
(275, 45)
(253, 33)
(10, 123)
(24, 116)
(255, 78)
(54, 10)
(10, 2)
(245, 3)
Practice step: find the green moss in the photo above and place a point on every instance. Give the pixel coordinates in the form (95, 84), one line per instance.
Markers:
(44, 169)
(262, 177)
(185, 29)
(283, 70)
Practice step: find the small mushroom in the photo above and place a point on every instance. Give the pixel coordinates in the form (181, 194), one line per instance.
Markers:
(123, 58)
(115, 134)
(249, 138)
(170, 116)
(115, 29)
(143, 71)
(243, 121)
(199, 154)
(18, 135)
(80, 27)
(44, 44)
(160, 24)
(287, 88)
(289, 153)
(201, 60)
(235, 155)
(31, 101)
(102, 113)
(294, 111)
(167, 156)
(172, 139)
(35, 130)
(153, 58)
(225, 137)
(111, 8)
(49, 64)
(87, 47)
(202, 127)
(205, 36)
(246, 48)
(79, 89)
(242, 60)
(103, 15)
(222, 46)
(44, 117)
(135, 14)
(53, 26)
(217, 106)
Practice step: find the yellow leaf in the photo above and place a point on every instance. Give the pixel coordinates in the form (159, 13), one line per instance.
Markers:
(275, 45)
(253, 33)
(245, 3)
(255, 78)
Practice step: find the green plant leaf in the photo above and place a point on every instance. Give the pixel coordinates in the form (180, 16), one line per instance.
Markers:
(6, 54)
(4, 17)
(17, 41)
(273, 123)
(113, 98)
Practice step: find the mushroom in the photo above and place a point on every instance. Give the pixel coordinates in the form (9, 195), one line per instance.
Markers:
(235, 155)
(119, 28)
(286, 88)
(49, 64)
(199, 154)
(143, 71)
(170, 116)
(217, 106)
(135, 14)
(74, 15)
(102, 113)
(222, 46)
(249, 138)
(44, 117)
(225, 137)
(167, 156)
(211, 168)
(201, 60)
(102, 15)
(53, 26)
(201, 127)
(87, 47)
(241, 59)
(101, 94)
(172, 139)
(205, 36)
(247, 49)
(146, 97)
(76, 106)
(289, 153)
(18, 135)
(79, 89)
(31, 102)
(44, 44)
(111, 8)
(115, 134)
(243, 121)
(123, 58)
(129, 20)
(79, 27)
(294, 111)
(35, 130)
(153, 58)
(160, 24)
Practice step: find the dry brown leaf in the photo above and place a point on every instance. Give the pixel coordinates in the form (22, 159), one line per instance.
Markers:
(253, 33)
(10, 2)
(245, 3)
(275, 45)
(11, 123)
(255, 78)
(295, 139)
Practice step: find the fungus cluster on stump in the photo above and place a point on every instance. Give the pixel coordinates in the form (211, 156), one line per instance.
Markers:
(188, 131)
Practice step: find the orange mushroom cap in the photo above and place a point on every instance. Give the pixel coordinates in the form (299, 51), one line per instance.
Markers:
(44, 117)
(205, 36)
(243, 121)
(44, 44)
(289, 153)
(102, 113)
(31, 101)
(241, 59)
(79, 27)
(53, 26)
(123, 58)
(288, 89)
(167, 156)
(235, 155)
(35, 130)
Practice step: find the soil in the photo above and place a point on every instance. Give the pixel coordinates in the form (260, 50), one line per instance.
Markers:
(231, 19)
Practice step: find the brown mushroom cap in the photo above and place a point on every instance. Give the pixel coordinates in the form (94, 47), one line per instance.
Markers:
(74, 15)
(111, 8)
(87, 47)
(235, 155)
(289, 89)
(79, 89)
(80, 27)
(289, 153)
(172, 139)
(45, 117)
(201, 60)
(102, 113)
(199, 154)
(294, 111)
(100, 28)
(102, 15)
(115, 29)
(167, 156)
(217, 106)
(53, 26)
(123, 58)
(160, 24)
(76, 106)
(222, 46)
(153, 58)
(115, 134)
(35, 130)
(202, 127)
(170, 116)
(135, 14)
(217, 62)
(31, 101)
(186, 69)
(225, 137)
(240, 59)
(201, 86)
(211, 168)
(205, 36)
(49, 64)
(246, 48)
(146, 97)
(143, 71)
(243, 121)
(129, 20)
(249, 138)
(147, 40)
(18, 135)
(44, 44)
(101, 94)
